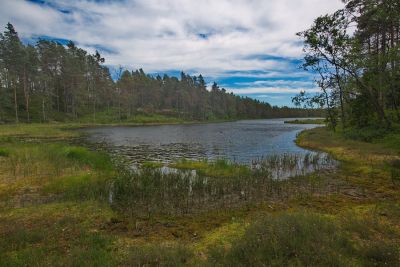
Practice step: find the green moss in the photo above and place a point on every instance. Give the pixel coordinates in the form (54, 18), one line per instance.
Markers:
(218, 168)
(185, 164)
(4, 152)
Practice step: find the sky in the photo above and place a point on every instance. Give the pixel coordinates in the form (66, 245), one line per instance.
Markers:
(249, 47)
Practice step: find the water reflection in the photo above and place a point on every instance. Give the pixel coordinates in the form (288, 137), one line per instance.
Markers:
(241, 141)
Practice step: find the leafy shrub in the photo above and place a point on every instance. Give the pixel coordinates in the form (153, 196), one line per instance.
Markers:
(365, 134)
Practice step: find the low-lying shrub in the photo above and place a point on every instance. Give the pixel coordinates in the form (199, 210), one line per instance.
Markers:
(299, 239)
(158, 255)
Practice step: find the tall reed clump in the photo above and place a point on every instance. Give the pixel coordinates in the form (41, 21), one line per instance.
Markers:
(211, 186)
(58, 169)
(91, 178)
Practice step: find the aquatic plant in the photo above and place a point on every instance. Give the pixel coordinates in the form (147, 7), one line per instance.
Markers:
(209, 185)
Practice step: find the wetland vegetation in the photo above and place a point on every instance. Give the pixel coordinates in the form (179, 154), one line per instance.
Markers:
(79, 207)
(209, 194)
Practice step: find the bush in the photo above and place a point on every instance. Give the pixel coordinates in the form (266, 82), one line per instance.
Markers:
(365, 134)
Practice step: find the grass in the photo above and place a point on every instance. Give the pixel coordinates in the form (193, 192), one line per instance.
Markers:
(307, 121)
(298, 239)
(112, 117)
(4, 152)
(311, 239)
(159, 255)
(56, 207)
(152, 164)
(218, 168)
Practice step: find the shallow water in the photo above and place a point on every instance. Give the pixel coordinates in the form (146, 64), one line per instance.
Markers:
(240, 141)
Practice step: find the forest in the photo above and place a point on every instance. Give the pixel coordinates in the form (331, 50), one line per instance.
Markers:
(52, 82)
(355, 53)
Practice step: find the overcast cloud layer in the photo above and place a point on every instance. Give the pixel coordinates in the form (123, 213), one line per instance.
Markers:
(248, 46)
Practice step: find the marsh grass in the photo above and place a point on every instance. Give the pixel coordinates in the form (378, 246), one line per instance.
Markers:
(298, 239)
(4, 152)
(44, 160)
(55, 235)
(159, 255)
(100, 213)
(198, 186)
(310, 239)
(111, 117)
(217, 168)
(394, 168)
(152, 164)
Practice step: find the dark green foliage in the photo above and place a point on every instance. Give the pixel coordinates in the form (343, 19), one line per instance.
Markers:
(366, 134)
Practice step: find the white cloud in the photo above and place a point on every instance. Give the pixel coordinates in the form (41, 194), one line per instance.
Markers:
(162, 35)
(272, 90)
(288, 83)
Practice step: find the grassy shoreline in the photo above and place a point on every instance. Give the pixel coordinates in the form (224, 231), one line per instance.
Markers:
(306, 121)
(54, 202)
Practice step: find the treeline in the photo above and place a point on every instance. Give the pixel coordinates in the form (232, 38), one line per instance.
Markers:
(356, 53)
(53, 82)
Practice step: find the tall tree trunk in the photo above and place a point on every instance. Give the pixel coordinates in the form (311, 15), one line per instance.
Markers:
(26, 94)
(94, 109)
(43, 110)
(16, 103)
(340, 85)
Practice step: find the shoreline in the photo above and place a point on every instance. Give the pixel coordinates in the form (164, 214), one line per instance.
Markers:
(56, 184)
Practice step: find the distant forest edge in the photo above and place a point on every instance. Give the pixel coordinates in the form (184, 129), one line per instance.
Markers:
(53, 82)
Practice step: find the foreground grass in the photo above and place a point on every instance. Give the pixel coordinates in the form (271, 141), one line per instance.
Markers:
(55, 210)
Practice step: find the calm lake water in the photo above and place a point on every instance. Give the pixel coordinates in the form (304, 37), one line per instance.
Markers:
(239, 141)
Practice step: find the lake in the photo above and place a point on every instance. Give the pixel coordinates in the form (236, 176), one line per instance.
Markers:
(239, 141)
